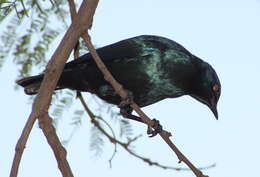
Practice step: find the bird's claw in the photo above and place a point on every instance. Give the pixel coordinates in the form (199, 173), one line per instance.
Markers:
(155, 129)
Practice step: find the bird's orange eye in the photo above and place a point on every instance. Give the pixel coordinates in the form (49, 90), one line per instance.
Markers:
(216, 87)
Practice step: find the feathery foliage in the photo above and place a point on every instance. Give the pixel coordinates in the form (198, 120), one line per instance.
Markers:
(96, 141)
(125, 128)
(28, 31)
(27, 34)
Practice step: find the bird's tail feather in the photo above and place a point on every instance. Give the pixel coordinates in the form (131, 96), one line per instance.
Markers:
(32, 84)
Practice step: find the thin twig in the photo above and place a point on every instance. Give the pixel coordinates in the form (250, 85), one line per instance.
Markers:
(79, 95)
(24, 8)
(120, 91)
(113, 139)
(114, 136)
(128, 143)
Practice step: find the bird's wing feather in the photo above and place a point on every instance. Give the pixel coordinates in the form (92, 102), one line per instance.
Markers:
(122, 50)
(121, 58)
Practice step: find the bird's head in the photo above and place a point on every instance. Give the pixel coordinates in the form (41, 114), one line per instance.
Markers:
(207, 87)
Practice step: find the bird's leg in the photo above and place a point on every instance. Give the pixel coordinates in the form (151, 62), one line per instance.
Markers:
(126, 112)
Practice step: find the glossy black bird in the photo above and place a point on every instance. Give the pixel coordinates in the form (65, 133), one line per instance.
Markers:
(151, 67)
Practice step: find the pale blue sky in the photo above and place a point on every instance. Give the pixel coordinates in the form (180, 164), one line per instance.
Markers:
(224, 33)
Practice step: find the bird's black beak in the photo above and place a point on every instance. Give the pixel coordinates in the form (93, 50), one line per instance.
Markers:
(211, 103)
(213, 107)
(215, 111)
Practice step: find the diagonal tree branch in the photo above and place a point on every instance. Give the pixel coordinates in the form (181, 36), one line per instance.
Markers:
(113, 138)
(120, 91)
(42, 101)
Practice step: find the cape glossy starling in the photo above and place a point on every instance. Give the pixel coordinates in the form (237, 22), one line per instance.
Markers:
(151, 67)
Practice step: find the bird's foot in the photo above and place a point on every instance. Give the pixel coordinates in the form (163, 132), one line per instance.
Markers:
(129, 99)
(155, 129)
(151, 131)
